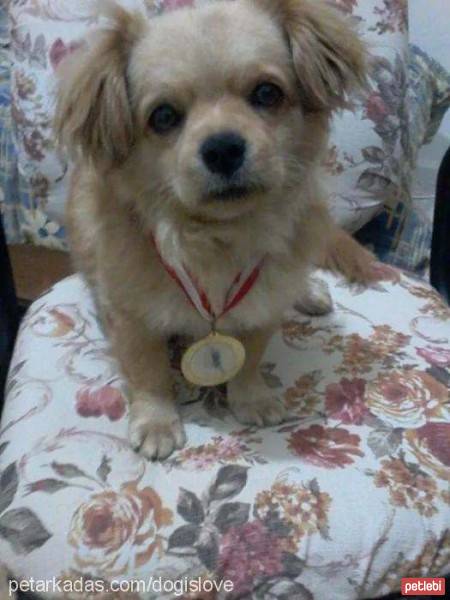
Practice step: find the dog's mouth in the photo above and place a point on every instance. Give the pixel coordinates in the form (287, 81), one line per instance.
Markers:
(233, 193)
(222, 203)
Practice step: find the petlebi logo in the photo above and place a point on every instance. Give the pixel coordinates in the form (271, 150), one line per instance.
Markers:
(423, 586)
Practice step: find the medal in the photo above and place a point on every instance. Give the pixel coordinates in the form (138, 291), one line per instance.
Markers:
(217, 358)
(213, 360)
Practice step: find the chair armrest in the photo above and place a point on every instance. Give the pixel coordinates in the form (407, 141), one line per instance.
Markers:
(440, 247)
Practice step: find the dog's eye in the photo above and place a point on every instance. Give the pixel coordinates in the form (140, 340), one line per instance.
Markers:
(164, 118)
(266, 95)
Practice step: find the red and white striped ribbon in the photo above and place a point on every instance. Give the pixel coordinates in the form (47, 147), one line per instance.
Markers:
(240, 287)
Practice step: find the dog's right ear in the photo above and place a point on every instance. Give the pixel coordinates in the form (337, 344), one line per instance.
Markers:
(93, 112)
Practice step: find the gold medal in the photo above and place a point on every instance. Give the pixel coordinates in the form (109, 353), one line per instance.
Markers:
(214, 360)
(217, 358)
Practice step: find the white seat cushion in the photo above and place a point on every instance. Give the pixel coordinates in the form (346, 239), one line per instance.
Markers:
(344, 499)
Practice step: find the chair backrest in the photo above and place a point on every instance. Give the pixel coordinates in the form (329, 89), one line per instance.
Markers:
(440, 251)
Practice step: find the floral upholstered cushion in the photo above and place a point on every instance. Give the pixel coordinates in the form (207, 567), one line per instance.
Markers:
(341, 501)
(366, 160)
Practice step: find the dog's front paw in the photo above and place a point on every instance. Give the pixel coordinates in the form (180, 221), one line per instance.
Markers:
(155, 428)
(317, 299)
(254, 405)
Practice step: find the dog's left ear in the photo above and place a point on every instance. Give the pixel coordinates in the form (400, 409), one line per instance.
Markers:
(329, 57)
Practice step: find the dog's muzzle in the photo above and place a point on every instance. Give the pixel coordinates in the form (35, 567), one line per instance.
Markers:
(223, 154)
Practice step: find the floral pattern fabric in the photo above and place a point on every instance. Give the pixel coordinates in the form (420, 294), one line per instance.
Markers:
(350, 494)
(366, 169)
(403, 237)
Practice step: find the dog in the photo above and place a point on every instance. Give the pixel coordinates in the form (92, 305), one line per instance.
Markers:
(198, 137)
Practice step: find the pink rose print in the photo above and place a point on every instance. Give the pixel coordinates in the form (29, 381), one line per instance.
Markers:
(437, 357)
(437, 437)
(344, 401)
(407, 398)
(376, 108)
(107, 401)
(325, 447)
(59, 51)
(431, 446)
(393, 16)
(174, 4)
(248, 552)
(116, 531)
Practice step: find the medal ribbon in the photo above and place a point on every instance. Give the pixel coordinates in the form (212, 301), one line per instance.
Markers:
(240, 287)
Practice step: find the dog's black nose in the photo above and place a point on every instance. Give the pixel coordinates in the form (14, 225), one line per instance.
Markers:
(224, 153)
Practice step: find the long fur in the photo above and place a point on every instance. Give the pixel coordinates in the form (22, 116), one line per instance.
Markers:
(131, 184)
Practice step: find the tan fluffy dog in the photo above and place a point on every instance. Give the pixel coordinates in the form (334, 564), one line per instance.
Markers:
(205, 127)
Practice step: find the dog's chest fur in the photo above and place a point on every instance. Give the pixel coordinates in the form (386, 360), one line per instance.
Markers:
(120, 261)
(279, 284)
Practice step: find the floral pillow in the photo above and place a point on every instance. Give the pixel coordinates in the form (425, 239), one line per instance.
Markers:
(369, 147)
(364, 167)
(403, 237)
